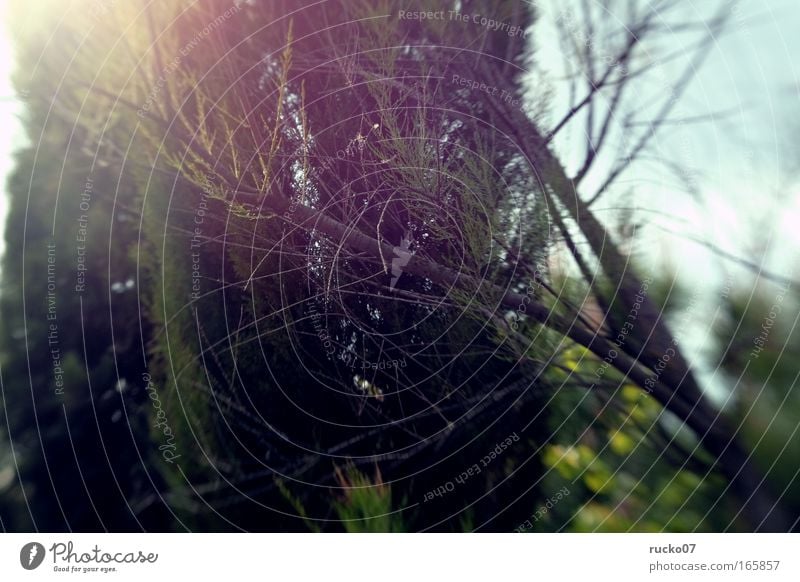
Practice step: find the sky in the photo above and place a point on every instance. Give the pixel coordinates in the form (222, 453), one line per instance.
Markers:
(746, 163)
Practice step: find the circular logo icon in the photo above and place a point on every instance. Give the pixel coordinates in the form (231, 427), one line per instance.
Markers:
(31, 555)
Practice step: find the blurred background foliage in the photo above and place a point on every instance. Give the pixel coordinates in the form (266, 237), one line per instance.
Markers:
(90, 460)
